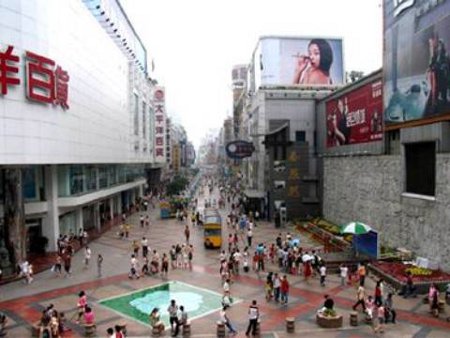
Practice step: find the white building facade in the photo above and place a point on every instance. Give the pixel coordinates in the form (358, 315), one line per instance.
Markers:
(76, 117)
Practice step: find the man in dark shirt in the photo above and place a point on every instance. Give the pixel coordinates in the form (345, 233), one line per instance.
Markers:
(328, 303)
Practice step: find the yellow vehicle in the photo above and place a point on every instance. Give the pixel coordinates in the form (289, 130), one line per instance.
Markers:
(212, 227)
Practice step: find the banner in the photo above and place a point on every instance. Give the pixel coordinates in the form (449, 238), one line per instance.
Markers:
(356, 117)
(416, 62)
(298, 61)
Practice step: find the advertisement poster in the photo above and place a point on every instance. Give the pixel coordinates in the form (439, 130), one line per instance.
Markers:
(299, 61)
(356, 117)
(416, 60)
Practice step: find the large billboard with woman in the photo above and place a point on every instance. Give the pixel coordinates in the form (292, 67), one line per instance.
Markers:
(416, 61)
(287, 61)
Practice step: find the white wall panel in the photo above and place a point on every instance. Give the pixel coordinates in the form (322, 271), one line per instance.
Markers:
(96, 128)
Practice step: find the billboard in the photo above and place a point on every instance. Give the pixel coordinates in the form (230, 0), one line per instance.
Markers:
(356, 117)
(298, 61)
(415, 63)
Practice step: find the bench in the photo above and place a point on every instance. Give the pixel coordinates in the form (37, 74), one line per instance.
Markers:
(329, 322)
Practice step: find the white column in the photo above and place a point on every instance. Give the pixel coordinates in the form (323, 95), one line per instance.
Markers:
(97, 216)
(79, 219)
(50, 226)
(111, 208)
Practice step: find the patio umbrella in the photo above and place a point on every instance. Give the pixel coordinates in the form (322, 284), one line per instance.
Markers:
(355, 228)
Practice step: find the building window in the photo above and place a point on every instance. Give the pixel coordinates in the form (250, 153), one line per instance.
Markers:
(300, 136)
(91, 178)
(76, 179)
(144, 120)
(136, 114)
(29, 184)
(421, 168)
(112, 177)
(102, 177)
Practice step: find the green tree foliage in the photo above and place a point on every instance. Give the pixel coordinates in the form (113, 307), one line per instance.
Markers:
(177, 185)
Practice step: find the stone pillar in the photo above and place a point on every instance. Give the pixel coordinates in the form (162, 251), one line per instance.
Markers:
(14, 215)
(50, 226)
(141, 190)
(119, 204)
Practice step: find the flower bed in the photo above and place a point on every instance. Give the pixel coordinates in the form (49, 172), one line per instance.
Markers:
(395, 273)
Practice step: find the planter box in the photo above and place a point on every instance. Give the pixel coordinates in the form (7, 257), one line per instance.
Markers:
(329, 322)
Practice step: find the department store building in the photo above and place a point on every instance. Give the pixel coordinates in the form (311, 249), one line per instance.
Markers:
(76, 121)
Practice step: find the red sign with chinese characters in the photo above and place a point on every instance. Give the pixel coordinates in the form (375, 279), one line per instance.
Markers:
(45, 81)
(160, 124)
(356, 117)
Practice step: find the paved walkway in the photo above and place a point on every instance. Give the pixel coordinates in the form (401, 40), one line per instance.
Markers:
(23, 303)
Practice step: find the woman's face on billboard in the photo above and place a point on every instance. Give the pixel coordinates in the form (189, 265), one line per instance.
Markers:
(314, 55)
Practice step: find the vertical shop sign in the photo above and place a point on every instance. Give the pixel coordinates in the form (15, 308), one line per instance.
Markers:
(160, 124)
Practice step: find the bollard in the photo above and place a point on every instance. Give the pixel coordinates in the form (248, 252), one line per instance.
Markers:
(220, 330)
(155, 332)
(186, 332)
(353, 318)
(290, 324)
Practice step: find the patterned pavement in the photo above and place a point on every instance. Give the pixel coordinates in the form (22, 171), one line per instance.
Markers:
(23, 303)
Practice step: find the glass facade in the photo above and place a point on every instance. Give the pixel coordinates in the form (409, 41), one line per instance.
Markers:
(102, 177)
(33, 182)
(91, 178)
(68, 223)
(76, 180)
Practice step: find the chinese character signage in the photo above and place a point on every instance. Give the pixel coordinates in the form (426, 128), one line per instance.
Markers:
(356, 117)
(45, 82)
(416, 66)
(160, 124)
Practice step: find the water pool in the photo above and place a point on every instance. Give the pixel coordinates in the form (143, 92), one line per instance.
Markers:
(138, 304)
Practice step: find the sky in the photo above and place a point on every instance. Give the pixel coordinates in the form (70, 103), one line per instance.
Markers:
(196, 43)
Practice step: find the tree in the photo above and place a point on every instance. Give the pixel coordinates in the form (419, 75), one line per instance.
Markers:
(177, 185)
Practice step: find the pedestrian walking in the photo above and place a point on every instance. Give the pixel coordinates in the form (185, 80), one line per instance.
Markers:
(144, 244)
(87, 256)
(249, 237)
(323, 273)
(142, 220)
(81, 305)
(135, 247)
(284, 288)
(360, 298)
(343, 273)
(99, 265)
(226, 320)
(173, 318)
(57, 268)
(253, 316)
(67, 259)
(164, 265)
(133, 267)
(187, 233)
(362, 274)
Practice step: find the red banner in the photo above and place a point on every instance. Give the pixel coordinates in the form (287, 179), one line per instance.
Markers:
(356, 117)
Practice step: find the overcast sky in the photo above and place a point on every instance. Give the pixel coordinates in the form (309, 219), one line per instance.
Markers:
(195, 43)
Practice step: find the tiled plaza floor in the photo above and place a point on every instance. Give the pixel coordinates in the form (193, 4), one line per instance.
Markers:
(23, 303)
